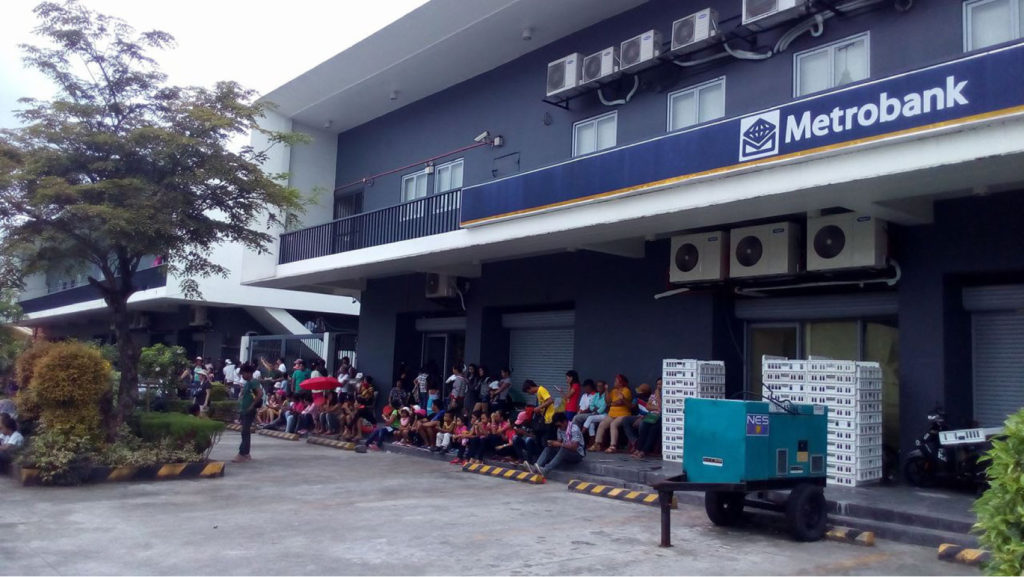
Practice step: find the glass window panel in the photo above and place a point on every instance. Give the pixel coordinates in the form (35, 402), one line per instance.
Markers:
(586, 138)
(421, 185)
(838, 340)
(684, 110)
(712, 102)
(456, 176)
(813, 72)
(990, 23)
(443, 180)
(606, 132)
(851, 62)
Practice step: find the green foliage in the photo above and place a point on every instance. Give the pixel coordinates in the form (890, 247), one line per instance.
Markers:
(70, 384)
(226, 411)
(177, 405)
(163, 363)
(109, 354)
(218, 391)
(62, 459)
(182, 431)
(1001, 508)
(129, 450)
(12, 340)
(24, 368)
(119, 166)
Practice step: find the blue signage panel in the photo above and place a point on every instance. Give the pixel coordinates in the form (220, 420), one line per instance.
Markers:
(758, 425)
(970, 88)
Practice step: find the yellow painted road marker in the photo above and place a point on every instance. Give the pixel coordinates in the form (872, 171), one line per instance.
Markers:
(617, 493)
(848, 535)
(958, 554)
(504, 473)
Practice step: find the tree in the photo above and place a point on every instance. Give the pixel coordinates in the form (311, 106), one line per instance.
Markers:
(119, 166)
(12, 339)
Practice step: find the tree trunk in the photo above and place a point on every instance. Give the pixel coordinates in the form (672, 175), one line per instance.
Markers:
(127, 390)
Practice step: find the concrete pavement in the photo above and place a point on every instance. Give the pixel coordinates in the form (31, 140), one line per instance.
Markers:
(299, 509)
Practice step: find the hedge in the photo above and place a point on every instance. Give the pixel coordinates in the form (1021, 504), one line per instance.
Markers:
(184, 430)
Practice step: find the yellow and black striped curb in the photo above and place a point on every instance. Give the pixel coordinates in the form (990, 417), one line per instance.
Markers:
(958, 554)
(848, 535)
(278, 434)
(505, 473)
(642, 497)
(150, 473)
(346, 445)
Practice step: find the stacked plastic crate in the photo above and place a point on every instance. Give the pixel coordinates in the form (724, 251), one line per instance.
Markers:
(682, 378)
(852, 391)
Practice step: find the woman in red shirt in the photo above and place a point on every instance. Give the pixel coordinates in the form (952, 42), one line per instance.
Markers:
(572, 397)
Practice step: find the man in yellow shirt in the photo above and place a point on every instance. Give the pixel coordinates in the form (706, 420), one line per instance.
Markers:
(545, 406)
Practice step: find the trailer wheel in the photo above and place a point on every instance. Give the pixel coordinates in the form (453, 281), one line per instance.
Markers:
(724, 508)
(806, 512)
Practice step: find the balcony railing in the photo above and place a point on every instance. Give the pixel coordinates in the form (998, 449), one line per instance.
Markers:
(415, 219)
(143, 280)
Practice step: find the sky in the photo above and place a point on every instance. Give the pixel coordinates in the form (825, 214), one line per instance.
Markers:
(216, 40)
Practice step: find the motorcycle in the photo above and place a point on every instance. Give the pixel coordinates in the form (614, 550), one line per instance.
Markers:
(953, 463)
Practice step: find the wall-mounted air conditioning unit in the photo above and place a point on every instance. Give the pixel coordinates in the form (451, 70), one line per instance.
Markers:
(699, 257)
(439, 286)
(139, 321)
(564, 76)
(640, 51)
(601, 67)
(849, 240)
(767, 249)
(198, 317)
(762, 14)
(695, 31)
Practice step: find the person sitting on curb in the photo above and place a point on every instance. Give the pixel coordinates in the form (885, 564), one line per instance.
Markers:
(568, 448)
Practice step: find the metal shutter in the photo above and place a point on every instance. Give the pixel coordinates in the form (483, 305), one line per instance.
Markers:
(543, 355)
(998, 366)
(818, 307)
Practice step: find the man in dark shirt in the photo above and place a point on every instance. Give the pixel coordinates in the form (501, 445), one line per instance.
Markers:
(251, 392)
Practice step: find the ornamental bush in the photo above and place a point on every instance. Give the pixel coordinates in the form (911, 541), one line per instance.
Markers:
(62, 458)
(72, 384)
(1001, 508)
(180, 431)
(24, 368)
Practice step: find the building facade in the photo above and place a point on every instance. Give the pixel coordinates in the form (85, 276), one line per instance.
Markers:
(773, 177)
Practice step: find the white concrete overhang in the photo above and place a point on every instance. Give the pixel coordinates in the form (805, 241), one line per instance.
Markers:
(436, 46)
(895, 179)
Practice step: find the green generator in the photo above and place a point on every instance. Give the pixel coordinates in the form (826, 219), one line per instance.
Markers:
(751, 441)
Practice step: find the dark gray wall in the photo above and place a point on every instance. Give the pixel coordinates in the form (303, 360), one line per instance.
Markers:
(508, 99)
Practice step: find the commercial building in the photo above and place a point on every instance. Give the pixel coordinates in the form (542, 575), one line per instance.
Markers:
(601, 185)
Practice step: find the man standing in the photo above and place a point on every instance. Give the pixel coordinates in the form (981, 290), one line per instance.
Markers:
(568, 448)
(231, 377)
(299, 374)
(251, 392)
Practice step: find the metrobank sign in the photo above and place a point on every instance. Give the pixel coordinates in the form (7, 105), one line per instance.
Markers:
(974, 88)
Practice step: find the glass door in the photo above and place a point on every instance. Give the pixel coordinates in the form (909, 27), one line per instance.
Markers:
(777, 340)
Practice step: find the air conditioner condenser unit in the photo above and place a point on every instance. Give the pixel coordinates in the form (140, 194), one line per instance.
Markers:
(765, 250)
(564, 76)
(695, 31)
(601, 67)
(640, 52)
(763, 14)
(439, 285)
(699, 257)
(848, 240)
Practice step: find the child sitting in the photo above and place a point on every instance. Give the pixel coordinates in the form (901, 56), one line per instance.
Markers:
(443, 439)
(463, 432)
(405, 426)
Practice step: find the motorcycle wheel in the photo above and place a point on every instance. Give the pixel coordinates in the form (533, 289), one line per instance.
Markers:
(917, 472)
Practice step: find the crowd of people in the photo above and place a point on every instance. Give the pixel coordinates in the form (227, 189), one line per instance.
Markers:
(469, 415)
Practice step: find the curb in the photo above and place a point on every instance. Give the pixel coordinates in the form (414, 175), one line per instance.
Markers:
(958, 554)
(278, 435)
(346, 445)
(848, 535)
(505, 473)
(209, 470)
(617, 493)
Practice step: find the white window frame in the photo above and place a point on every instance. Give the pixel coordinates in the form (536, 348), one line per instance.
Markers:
(594, 120)
(695, 89)
(449, 166)
(414, 211)
(830, 48)
(1016, 6)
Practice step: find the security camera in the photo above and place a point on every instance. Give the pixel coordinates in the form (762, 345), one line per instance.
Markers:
(482, 136)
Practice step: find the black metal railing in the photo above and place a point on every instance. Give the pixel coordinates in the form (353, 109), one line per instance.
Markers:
(414, 219)
(143, 280)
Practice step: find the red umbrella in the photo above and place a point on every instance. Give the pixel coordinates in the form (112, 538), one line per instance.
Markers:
(320, 384)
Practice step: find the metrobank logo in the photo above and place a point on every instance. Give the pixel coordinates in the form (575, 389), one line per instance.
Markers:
(759, 135)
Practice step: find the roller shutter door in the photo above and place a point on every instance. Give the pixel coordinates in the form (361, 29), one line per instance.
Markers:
(998, 366)
(541, 347)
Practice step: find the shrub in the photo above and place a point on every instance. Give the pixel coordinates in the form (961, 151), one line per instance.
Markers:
(177, 405)
(24, 368)
(182, 431)
(163, 363)
(128, 450)
(1001, 508)
(218, 392)
(71, 382)
(62, 459)
(224, 410)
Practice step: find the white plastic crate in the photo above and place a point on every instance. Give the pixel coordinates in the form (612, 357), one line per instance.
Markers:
(678, 364)
(671, 410)
(673, 438)
(854, 449)
(852, 459)
(672, 428)
(869, 370)
(678, 383)
(671, 447)
(668, 374)
(851, 436)
(675, 401)
(672, 419)
(845, 469)
(859, 477)
(676, 394)
(859, 417)
(672, 457)
(869, 384)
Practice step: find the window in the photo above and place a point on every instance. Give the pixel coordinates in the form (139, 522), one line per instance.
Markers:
(594, 134)
(448, 176)
(990, 22)
(833, 65)
(414, 186)
(696, 104)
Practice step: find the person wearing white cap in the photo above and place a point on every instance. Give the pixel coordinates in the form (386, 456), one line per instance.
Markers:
(231, 377)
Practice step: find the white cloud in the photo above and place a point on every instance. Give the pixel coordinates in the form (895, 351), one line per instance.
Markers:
(259, 45)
